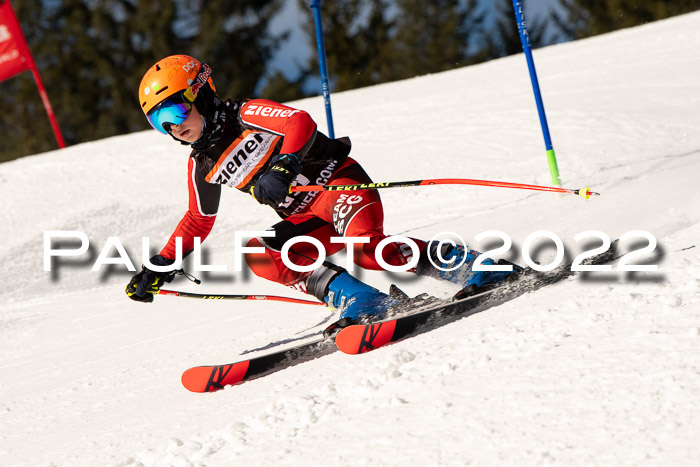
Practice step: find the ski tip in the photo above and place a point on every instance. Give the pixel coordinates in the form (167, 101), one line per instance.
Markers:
(363, 338)
(196, 379)
(213, 378)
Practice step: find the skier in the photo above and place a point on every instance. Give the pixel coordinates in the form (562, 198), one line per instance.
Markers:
(262, 148)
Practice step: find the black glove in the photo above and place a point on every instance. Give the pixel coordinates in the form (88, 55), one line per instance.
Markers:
(144, 285)
(272, 187)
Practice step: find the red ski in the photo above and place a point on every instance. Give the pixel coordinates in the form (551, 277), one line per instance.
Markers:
(211, 378)
(361, 338)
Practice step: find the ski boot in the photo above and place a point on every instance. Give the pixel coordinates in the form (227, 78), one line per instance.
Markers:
(472, 282)
(354, 299)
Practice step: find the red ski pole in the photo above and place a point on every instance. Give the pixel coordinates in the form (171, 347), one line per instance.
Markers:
(584, 192)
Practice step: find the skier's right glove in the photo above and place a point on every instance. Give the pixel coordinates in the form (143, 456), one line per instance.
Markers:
(144, 285)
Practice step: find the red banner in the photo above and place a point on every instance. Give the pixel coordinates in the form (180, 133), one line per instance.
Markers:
(14, 53)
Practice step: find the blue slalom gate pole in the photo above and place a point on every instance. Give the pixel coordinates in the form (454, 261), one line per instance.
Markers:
(527, 49)
(321, 48)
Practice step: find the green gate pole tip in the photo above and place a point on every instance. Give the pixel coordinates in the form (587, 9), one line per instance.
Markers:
(553, 168)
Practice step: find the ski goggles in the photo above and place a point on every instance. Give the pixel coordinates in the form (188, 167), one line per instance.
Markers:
(172, 111)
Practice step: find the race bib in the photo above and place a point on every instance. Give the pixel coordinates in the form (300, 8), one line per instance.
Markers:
(243, 158)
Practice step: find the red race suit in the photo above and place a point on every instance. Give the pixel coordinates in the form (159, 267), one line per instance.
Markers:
(253, 133)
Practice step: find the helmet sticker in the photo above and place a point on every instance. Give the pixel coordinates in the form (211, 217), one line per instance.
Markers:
(199, 81)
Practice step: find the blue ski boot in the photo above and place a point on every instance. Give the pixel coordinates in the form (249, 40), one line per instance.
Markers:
(354, 299)
(443, 267)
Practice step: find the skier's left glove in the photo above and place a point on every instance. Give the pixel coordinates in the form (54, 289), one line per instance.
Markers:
(144, 285)
(272, 187)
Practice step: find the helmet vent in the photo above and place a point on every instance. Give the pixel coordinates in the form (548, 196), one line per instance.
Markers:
(161, 90)
(157, 67)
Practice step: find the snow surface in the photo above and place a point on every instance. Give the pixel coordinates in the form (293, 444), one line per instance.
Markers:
(602, 371)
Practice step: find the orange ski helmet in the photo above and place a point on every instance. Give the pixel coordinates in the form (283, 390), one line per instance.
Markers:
(177, 78)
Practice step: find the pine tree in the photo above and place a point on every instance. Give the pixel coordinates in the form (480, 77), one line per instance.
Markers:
(372, 42)
(583, 18)
(356, 36)
(435, 36)
(282, 89)
(234, 39)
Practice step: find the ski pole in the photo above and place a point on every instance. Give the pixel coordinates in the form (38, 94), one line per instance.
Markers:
(584, 192)
(276, 298)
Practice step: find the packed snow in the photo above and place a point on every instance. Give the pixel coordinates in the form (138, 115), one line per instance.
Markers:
(602, 369)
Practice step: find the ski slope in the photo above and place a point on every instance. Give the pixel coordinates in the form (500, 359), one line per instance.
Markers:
(602, 371)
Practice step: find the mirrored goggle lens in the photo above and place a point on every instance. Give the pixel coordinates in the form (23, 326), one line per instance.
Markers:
(168, 113)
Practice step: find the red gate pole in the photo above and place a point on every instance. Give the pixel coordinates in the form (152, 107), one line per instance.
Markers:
(47, 104)
(22, 52)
